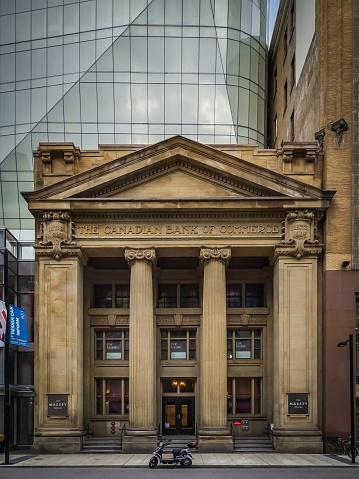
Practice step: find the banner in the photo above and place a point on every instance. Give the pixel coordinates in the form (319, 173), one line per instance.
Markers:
(3, 316)
(18, 331)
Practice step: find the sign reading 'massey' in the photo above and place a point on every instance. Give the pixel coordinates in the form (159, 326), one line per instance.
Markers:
(228, 229)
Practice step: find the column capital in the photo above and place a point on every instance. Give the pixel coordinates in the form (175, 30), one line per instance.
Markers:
(207, 254)
(145, 254)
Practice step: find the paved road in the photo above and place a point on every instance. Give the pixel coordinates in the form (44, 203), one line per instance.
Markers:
(177, 473)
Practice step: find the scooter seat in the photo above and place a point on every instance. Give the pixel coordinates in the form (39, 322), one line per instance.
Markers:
(175, 452)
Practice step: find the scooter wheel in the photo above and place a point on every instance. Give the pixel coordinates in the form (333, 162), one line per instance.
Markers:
(153, 462)
(187, 462)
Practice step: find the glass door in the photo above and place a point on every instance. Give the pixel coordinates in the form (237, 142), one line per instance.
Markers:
(178, 416)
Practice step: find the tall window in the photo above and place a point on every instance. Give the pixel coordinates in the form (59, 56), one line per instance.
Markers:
(285, 94)
(112, 397)
(292, 72)
(234, 295)
(357, 322)
(111, 296)
(253, 294)
(178, 344)
(112, 345)
(244, 396)
(292, 133)
(244, 344)
(285, 44)
(178, 296)
(275, 127)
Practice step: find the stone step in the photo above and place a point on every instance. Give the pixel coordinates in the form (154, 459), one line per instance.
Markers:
(252, 444)
(102, 445)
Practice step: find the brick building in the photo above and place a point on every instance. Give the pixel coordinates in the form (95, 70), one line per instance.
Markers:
(313, 96)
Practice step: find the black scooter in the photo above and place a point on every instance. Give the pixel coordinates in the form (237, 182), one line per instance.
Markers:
(179, 456)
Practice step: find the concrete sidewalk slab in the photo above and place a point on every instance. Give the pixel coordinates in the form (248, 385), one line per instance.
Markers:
(200, 460)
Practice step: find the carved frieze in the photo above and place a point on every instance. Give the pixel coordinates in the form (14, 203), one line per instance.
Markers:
(299, 234)
(166, 320)
(148, 254)
(191, 319)
(56, 235)
(207, 254)
(247, 319)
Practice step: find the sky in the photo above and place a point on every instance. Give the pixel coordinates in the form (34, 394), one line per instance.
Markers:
(272, 13)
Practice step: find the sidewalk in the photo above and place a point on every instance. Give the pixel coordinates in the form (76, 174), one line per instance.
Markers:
(199, 460)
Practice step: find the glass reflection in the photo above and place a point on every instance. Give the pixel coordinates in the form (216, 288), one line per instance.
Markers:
(149, 69)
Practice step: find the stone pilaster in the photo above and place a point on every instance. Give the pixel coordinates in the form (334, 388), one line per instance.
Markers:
(142, 431)
(213, 363)
(59, 354)
(295, 359)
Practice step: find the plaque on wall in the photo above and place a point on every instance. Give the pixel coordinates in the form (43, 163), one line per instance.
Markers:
(297, 403)
(58, 404)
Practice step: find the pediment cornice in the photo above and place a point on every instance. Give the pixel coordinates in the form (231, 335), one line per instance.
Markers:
(235, 176)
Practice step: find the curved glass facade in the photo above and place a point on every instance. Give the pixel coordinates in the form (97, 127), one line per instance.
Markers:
(125, 71)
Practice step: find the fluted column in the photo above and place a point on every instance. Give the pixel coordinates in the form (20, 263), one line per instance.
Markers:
(142, 343)
(213, 362)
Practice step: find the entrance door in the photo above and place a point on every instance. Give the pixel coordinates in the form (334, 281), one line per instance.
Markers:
(178, 416)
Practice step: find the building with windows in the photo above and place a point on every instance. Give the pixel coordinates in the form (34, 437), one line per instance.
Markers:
(127, 72)
(177, 289)
(188, 281)
(314, 52)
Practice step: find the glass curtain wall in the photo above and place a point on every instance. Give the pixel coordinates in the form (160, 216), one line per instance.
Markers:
(125, 71)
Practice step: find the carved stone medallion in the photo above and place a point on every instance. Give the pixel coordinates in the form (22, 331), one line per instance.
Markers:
(57, 233)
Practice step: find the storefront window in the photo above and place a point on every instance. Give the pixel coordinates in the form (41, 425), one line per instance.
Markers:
(244, 344)
(244, 396)
(112, 397)
(178, 344)
(112, 345)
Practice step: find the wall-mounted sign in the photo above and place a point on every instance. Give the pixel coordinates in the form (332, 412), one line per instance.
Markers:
(18, 331)
(243, 348)
(178, 349)
(237, 423)
(58, 404)
(113, 350)
(297, 403)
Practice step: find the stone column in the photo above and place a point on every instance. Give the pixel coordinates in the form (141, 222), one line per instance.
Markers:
(295, 338)
(59, 355)
(141, 435)
(213, 353)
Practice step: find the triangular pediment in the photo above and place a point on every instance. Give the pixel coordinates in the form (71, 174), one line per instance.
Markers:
(177, 169)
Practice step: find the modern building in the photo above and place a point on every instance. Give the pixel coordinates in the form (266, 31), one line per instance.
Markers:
(127, 72)
(313, 95)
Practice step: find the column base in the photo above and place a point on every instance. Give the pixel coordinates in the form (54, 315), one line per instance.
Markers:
(300, 441)
(142, 442)
(58, 444)
(215, 443)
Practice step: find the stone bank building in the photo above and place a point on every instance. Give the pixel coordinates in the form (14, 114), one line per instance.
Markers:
(177, 293)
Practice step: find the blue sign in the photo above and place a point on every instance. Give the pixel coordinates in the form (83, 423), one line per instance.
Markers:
(18, 332)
